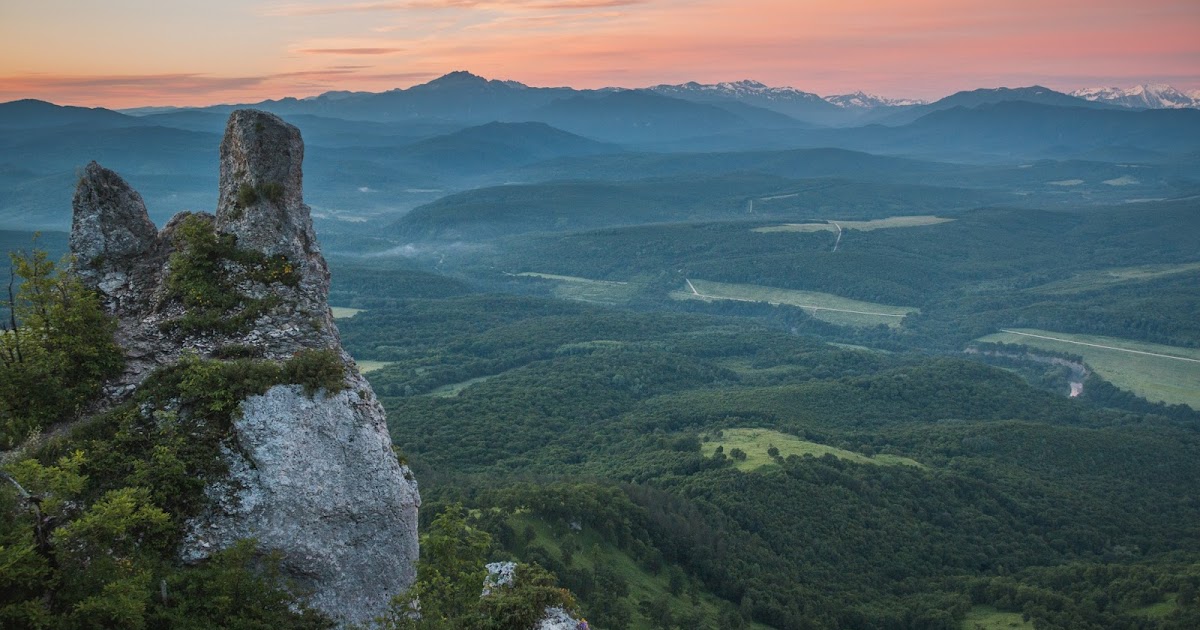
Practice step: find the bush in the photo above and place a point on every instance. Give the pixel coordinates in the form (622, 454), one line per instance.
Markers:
(247, 195)
(316, 369)
(204, 271)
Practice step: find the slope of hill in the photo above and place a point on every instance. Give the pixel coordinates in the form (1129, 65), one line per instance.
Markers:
(584, 205)
(499, 145)
(32, 113)
(984, 96)
(635, 115)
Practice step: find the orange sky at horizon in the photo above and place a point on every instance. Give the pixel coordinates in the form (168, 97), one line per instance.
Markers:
(127, 53)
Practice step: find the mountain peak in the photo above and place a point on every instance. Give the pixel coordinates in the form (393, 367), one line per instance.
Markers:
(458, 76)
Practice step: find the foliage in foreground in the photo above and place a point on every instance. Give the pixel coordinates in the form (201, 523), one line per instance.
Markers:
(451, 573)
(56, 349)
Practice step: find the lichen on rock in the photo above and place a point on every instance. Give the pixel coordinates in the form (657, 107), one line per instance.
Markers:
(311, 475)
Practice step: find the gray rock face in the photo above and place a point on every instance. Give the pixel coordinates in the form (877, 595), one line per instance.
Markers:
(312, 477)
(317, 479)
(112, 225)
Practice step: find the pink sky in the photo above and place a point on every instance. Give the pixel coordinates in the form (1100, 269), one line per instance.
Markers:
(126, 53)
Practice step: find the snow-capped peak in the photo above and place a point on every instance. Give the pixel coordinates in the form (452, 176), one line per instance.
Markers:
(863, 100)
(1150, 96)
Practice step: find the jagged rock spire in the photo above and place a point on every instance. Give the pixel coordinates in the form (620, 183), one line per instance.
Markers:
(109, 225)
(261, 191)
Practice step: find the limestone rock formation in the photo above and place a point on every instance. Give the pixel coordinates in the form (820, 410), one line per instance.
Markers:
(313, 477)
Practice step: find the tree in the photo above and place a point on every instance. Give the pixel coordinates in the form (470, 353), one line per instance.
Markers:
(56, 349)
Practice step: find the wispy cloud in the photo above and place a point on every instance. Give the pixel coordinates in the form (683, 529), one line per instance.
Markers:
(407, 5)
(350, 51)
(127, 90)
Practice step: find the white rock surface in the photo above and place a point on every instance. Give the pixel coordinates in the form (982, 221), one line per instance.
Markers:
(316, 479)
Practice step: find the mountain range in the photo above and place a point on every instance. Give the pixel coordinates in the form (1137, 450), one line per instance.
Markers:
(1148, 96)
(464, 97)
(389, 152)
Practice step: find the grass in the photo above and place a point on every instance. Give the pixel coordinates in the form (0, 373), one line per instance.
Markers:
(746, 367)
(1104, 278)
(342, 312)
(1123, 180)
(452, 390)
(1157, 610)
(824, 306)
(365, 366)
(989, 618)
(756, 442)
(1156, 378)
(586, 289)
(865, 226)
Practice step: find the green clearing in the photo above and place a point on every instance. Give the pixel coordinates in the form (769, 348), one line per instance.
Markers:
(452, 390)
(586, 289)
(1104, 278)
(592, 551)
(746, 367)
(756, 442)
(851, 346)
(365, 366)
(865, 226)
(989, 618)
(824, 306)
(1157, 610)
(1123, 180)
(343, 312)
(1156, 372)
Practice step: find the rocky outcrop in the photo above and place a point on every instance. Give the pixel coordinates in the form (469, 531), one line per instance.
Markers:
(312, 477)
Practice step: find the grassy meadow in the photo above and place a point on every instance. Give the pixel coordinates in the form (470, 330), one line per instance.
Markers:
(824, 306)
(863, 226)
(755, 443)
(586, 289)
(1156, 372)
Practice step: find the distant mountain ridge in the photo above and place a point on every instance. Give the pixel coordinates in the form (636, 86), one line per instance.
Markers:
(863, 100)
(1145, 96)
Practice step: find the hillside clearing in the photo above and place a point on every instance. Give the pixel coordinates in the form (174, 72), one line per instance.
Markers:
(1092, 280)
(585, 289)
(864, 226)
(453, 389)
(1156, 372)
(366, 366)
(989, 618)
(824, 306)
(755, 443)
(343, 312)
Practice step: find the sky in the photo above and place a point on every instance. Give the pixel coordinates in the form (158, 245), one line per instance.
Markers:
(129, 53)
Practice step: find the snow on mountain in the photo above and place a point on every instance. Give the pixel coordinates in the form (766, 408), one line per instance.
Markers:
(737, 90)
(863, 100)
(1150, 96)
